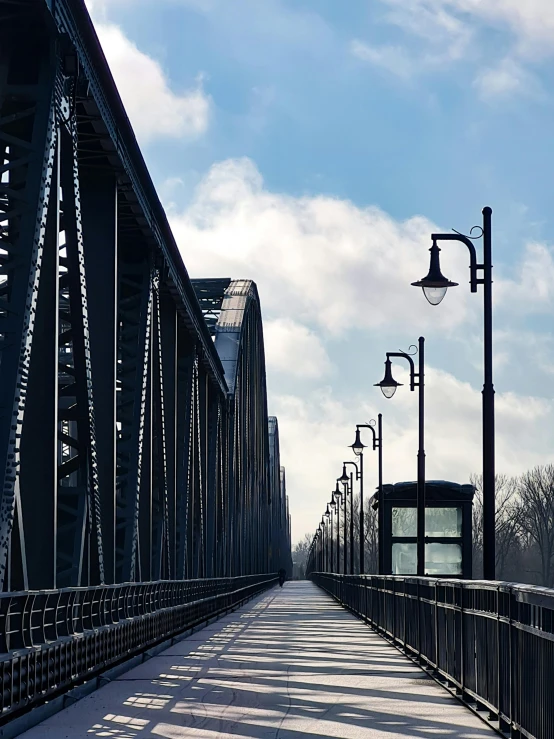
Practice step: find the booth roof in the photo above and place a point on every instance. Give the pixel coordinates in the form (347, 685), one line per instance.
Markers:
(435, 490)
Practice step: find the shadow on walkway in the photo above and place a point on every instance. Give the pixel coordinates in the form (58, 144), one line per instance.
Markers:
(290, 664)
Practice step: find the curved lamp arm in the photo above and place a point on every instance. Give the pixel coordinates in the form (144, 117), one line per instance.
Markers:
(357, 469)
(370, 425)
(413, 373)
(473, 266)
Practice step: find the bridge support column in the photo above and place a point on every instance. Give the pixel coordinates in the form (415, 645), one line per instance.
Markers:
(38, 476)
(99, 216)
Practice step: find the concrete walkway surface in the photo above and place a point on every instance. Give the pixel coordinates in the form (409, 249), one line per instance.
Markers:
(290, 664)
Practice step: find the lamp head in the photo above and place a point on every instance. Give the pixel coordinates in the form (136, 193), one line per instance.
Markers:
(435, 285)
(388, 384)
(357, 446)
(344, 477)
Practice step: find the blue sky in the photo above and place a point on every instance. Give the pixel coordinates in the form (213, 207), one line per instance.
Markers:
(313, 145)
(289, 91)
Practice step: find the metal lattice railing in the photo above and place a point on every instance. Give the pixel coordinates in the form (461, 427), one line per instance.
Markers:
(491, 642)
(52, 640)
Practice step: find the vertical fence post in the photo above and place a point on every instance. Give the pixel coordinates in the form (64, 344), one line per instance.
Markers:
(418, 622)
(462, 642)
(514, 664)
(436, 614)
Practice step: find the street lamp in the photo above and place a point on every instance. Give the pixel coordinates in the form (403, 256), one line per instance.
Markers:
(340, 499)
(388, 387)
(317, 547)
(358, 449)
(322, 557)
(323, 543)
(350, 482)
(329, 541)
(333, 507)
(345, 480)
(331, 535)
(434, 287)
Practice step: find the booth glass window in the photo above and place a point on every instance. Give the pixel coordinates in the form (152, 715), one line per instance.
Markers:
(404, 558)
(442, 522)
(441, 557)
(404, 522)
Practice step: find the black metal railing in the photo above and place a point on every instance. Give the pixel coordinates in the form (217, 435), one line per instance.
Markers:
(52, 640)
(491, 642)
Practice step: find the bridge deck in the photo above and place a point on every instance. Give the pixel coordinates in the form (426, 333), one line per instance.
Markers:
(289, 664)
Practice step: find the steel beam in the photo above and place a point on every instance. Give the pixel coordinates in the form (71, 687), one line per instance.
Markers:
(99, 218)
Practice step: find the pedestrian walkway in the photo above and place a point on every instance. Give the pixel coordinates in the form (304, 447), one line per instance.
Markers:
(290, 664)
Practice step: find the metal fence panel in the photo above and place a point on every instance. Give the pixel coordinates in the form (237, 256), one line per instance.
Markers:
(52, 640)
(492, 642)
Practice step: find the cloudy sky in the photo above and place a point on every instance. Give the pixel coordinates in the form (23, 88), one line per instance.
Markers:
(313, 145)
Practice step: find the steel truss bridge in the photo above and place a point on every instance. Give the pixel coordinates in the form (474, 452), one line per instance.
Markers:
(142, 488)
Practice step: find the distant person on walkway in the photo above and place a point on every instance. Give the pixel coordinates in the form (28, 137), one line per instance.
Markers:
(282, 576)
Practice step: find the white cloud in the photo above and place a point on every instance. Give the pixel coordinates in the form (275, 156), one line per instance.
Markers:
(532, 288)
(453, 438)
(321, 260)
(394, 59)
(154, 109)
(440, 37)
(532, 21)
(444, 35)
(345, 272)
(439, 32)
(506, 78)
(293, 349)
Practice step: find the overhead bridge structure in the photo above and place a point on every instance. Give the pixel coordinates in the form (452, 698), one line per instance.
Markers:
(141, 483)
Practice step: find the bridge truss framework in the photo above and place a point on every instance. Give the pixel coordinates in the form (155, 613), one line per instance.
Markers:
(135, 444)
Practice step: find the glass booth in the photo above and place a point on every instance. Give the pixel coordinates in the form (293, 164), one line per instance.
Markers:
(448, 535)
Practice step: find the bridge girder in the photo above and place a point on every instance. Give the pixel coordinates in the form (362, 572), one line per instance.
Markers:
(127, 452)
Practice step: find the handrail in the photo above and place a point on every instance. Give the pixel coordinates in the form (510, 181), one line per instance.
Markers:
(492, 643)
(51, 640)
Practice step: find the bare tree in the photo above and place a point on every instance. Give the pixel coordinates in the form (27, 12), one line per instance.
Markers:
(507, 529)
(536, 516)
(370, 537)
(300, 556)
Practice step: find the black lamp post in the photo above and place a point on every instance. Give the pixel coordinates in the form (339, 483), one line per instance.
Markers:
(345, 480)
(358, 449)
(317, 544)
(334, 507)
(434, 287)
(329, 541)
(340, 498)
(388, 387)
(321, 546)
(322, 558)
(349, 480)
(331, 537)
